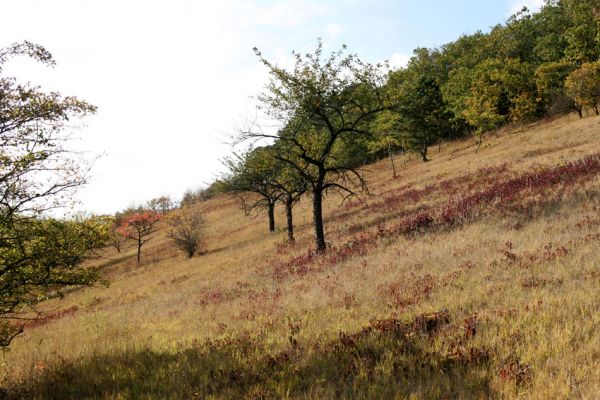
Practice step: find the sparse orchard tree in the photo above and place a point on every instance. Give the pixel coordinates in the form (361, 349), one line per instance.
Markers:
(253, 175)
(324, 106)
(187, 229)
(291, 184)
(138, 227)
(38, 174)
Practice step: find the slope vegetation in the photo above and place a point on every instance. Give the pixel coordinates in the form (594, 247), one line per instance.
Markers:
(470, 276)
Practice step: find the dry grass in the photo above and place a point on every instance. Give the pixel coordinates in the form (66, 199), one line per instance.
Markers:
(518, 287)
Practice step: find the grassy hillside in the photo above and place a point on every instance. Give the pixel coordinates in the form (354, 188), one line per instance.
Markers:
(470, 276)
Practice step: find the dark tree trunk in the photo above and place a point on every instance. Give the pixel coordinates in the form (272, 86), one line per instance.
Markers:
(271, 210)
(139, 252)
(318, 219)
(289, 204)
(596, 110)
(423, 153)
(579, 110)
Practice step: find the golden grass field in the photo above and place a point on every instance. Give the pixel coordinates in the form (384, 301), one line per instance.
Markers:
(504, 304)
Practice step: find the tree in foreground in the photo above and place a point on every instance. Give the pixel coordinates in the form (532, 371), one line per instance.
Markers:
(139, 227)
(187, 229)
(324, 107)
(38, 255)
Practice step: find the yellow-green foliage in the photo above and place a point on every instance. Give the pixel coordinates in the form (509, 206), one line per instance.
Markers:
(504, 305)
(583, 85)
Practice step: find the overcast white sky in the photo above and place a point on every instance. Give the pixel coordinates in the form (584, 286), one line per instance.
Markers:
(172, 78)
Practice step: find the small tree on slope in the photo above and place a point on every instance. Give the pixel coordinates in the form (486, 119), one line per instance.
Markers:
(138, 227)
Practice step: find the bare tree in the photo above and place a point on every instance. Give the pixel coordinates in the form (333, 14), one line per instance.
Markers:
(187, 229)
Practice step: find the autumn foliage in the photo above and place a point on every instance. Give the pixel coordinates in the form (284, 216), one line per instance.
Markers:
(138, 227)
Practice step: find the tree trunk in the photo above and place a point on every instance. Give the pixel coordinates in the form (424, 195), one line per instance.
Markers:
(479, 139)
(271, 209)
(579, 110)
(318, 219)
(289, 204)
(423, 153)
(596, 110)
(392, 161)
(139, 252)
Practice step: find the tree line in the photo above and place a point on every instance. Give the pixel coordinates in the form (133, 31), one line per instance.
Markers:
(336, 112)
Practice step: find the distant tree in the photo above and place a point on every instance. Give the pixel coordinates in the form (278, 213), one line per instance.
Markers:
(583, 30)
(38, 174)
(550, 83)
(138, 227)
(187, 229)
(202, 194)
(423, 116)
(501, 90)
(252, 174)
(551, 42)
(387, 137)
(114, 237)
(324, 107)
(583, 85)
(162, 204)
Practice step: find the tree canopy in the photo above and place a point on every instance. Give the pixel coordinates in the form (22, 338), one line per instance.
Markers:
(38, 254)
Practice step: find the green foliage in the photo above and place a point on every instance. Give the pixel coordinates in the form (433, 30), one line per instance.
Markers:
(501, 90)
(423, 116)
(583, 32)
(42, 255)
(583, 85)
(253, 172)
(37, 174)
(550, 83)
(325, 107)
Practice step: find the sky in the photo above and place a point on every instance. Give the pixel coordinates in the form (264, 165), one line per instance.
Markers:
(174, 79)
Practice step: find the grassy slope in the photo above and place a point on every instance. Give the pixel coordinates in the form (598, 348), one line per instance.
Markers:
(515, 292)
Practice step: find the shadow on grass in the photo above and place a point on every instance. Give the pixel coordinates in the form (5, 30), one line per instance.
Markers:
(388, 359)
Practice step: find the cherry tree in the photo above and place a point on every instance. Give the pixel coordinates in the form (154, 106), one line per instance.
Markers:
(138, 227)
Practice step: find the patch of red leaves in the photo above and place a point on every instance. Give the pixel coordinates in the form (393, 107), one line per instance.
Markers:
(500, 194)
(51, 317)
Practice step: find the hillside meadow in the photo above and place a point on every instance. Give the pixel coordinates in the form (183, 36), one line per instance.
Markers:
(474, 275)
